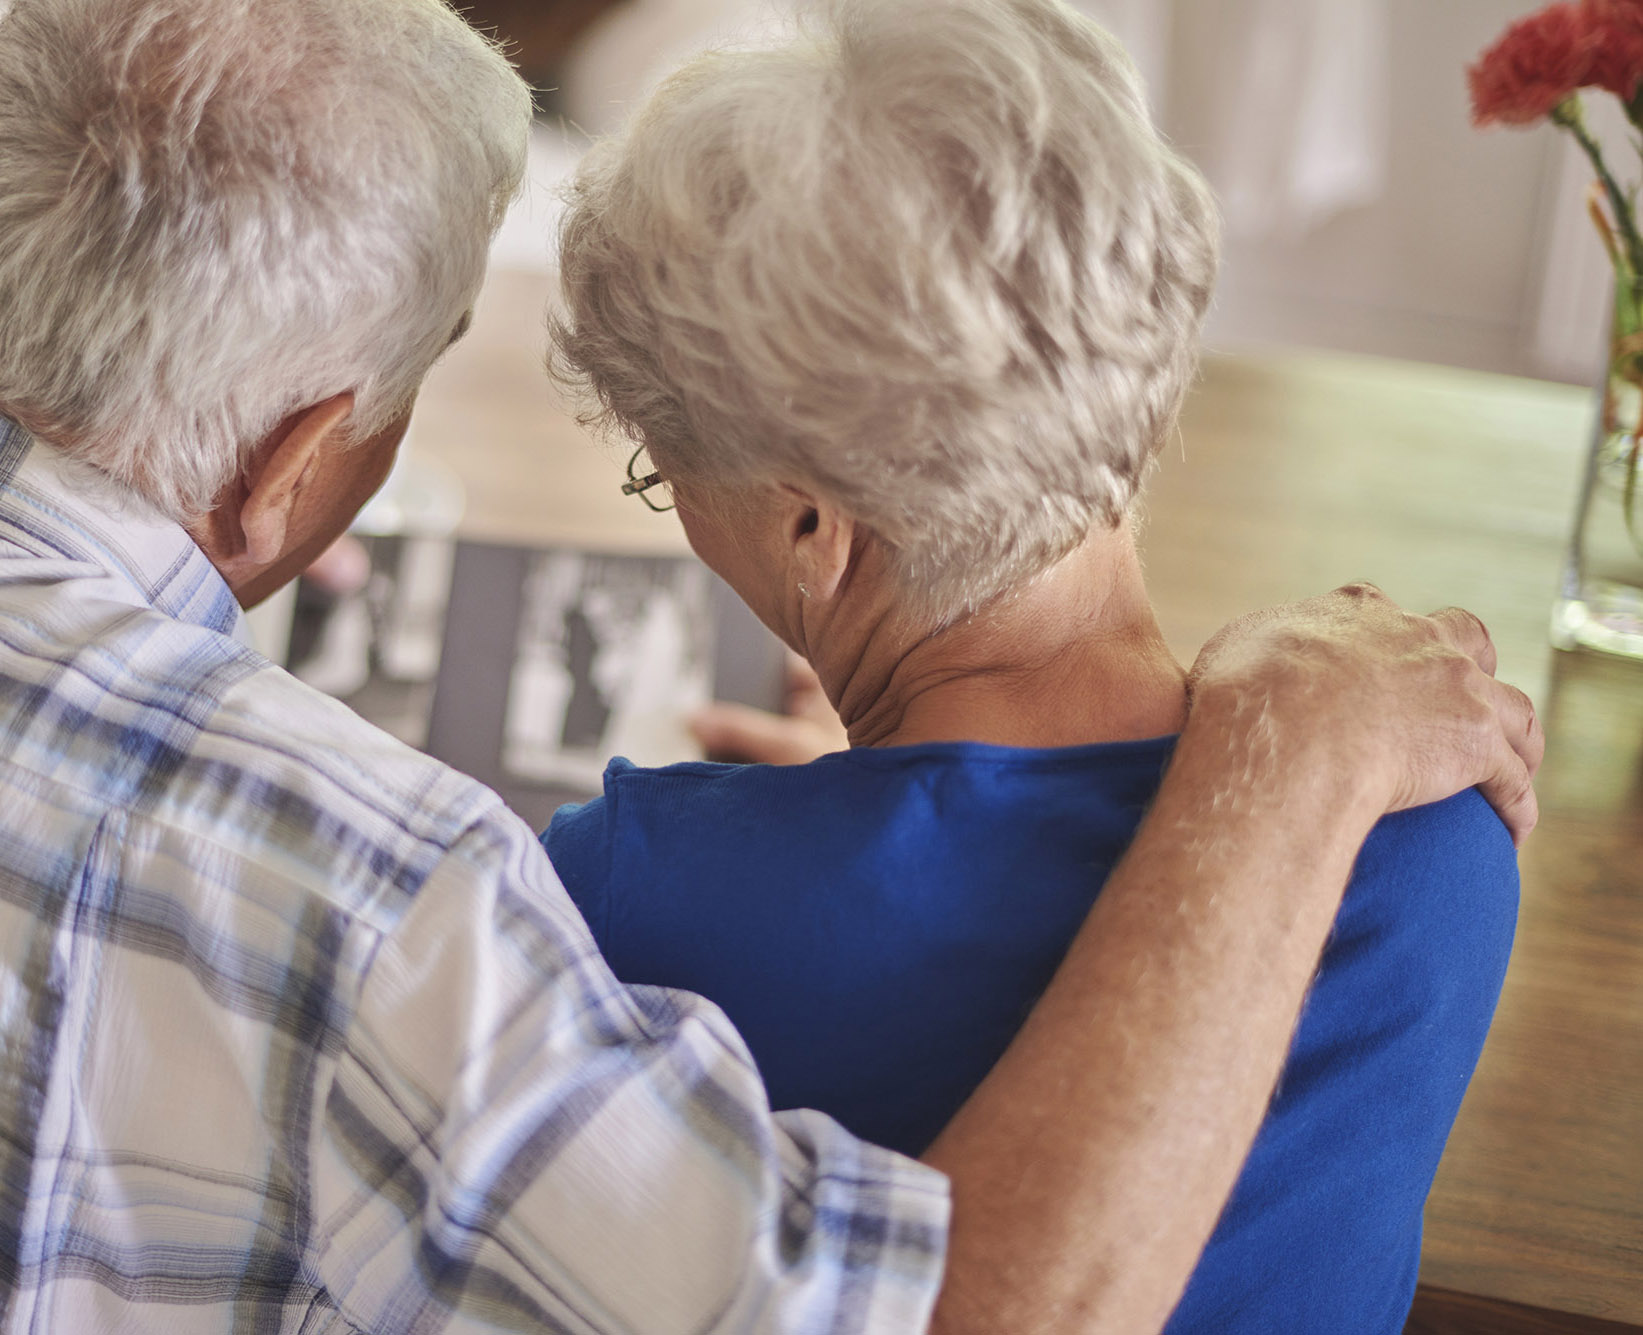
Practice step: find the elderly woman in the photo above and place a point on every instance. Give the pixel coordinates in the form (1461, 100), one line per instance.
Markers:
(902, 312)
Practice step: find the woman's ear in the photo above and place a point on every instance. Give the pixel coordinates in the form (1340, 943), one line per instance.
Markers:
(821, 539)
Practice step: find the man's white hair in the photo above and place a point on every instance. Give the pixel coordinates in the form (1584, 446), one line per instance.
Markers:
(930, 257)
(216, 212)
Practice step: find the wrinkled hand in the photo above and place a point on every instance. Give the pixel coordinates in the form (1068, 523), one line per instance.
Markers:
(809, 727)
(1410, 702)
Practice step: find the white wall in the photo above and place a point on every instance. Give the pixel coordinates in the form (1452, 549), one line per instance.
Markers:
(1451, 262)
(1449, 265)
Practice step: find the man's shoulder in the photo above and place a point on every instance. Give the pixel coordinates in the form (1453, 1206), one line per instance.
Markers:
(288, 729)
(210, 750)
(282, 770)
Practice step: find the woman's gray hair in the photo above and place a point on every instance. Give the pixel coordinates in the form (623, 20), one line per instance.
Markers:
(216, 212)
(929, 257)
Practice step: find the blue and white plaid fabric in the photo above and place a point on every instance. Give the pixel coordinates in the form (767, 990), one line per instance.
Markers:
(301, 1033)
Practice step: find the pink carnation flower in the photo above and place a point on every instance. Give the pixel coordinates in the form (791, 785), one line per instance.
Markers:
(1618, 64)
(1537, 63)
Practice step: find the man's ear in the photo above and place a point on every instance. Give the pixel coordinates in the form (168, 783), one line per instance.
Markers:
(279, 472)
(821, 538)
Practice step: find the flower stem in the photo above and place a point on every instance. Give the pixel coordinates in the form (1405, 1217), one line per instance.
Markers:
(1600, 220)
(1628, 501)
(1569, 115)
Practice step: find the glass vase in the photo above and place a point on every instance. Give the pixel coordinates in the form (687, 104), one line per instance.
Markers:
(1600, 601)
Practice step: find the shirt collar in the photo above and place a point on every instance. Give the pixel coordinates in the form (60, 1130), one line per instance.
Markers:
(51, 506)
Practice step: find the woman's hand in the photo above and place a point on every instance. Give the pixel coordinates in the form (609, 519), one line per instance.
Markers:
(808, 728)
(1408, 705)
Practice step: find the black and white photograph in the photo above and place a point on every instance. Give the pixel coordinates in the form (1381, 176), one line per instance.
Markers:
(367, 624)
(614, 653)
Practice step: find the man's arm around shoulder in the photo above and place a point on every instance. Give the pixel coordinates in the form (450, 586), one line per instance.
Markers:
(1089, 1168)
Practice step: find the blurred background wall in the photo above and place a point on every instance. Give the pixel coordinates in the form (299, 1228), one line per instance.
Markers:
(1364, 213)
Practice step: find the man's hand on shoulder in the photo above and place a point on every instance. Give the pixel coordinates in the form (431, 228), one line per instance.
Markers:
(1400, 709)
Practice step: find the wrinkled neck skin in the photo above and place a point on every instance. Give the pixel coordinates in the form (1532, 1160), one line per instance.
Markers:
(1073, 657)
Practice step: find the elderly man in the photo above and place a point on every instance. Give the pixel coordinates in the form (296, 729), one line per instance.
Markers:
(300, 1032)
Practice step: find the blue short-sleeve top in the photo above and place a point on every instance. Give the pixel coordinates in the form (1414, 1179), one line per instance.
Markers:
(879, 922)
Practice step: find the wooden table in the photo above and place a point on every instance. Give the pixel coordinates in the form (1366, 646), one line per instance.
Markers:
(1449, 486)
(1300, 473)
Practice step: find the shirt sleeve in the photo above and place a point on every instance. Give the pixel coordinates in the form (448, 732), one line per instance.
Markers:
(513, 1140)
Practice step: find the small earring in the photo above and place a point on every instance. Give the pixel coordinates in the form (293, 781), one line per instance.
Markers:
(804, 589)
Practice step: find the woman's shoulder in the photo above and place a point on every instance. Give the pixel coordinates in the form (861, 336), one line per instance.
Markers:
(1453, 857)
(863, 808)
(1097, 762)
(1460, 831)
(874, 786)
(1441, 878)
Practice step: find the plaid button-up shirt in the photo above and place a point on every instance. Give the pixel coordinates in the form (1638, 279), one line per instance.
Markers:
(302, 1034)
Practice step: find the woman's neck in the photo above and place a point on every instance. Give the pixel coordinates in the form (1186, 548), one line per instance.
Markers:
(1074, 657)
